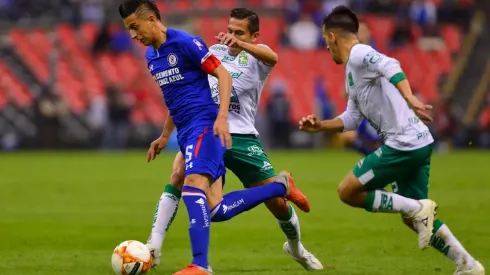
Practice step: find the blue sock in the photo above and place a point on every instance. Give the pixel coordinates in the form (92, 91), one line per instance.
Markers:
(237, 202)
(360, 146)
(199, 219)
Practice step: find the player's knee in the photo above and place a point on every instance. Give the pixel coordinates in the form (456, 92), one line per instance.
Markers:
(198, 181)
(177, 178)
(343, 192)
(349, 189)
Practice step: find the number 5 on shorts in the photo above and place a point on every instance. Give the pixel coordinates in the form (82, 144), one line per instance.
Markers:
(188, 156)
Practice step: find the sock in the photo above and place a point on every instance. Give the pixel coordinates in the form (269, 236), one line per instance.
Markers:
(445, 242)
(387, 202)
(237, 202)
(360, 147)
(200, 221)
(165, 212)
(291, 229)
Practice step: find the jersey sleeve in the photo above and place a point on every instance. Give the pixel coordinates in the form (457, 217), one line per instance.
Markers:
(264, 69)
(381, 65)
(351, 117)
(200, 55)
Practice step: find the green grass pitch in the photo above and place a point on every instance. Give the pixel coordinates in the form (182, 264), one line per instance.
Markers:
(63, 213)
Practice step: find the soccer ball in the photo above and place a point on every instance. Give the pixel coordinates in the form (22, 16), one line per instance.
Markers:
(131, 258)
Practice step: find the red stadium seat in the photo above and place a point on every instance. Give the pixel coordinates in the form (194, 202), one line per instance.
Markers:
(89, 33)
(452, 37)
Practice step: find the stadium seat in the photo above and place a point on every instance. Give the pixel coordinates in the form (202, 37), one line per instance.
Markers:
(452, 37)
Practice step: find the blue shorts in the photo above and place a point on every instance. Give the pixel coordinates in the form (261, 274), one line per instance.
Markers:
(203, 153)
(366, 131)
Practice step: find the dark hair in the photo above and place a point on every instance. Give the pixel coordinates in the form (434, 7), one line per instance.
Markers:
(136, 6)
(342, 18)
(250, 16)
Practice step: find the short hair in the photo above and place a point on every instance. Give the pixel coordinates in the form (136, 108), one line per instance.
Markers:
(139, 7)
(246, 14)
(342, 18)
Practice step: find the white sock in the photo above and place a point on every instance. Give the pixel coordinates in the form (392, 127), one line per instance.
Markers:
(447, 244)
(165, 212)
(388, 202)
(292, 231)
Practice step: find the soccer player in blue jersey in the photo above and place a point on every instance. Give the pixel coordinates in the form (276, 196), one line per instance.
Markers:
(180, 63)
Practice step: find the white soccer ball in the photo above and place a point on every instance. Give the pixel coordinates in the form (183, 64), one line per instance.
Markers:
(131, 258)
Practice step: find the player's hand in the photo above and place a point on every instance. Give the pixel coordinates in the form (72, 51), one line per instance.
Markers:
(310, 124)
(228, 39)
(221, 129)
(156, 147)
(420, 109)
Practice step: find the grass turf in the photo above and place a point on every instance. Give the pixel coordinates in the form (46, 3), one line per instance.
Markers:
(63, 213)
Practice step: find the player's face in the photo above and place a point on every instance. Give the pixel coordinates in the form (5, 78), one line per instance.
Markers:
(239, 29)
(332, 45)
(141, 29)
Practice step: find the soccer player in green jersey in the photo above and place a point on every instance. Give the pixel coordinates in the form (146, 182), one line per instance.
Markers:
(249, 65)
(379, 92)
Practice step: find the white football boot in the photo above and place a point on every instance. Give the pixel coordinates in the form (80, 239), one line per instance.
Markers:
(475, 269)
(423, 222)
(307, 260)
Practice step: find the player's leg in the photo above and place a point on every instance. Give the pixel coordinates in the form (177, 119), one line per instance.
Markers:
(203, 154)
(443, 240)
(251, 165)
(362, 187)
(166, 209)
(236, 202)
(289, 223)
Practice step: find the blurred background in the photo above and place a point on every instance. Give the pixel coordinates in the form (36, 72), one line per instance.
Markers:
(71, 78)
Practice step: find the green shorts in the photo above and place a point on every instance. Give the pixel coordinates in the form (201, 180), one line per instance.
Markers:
(247, 160)
(406, 171)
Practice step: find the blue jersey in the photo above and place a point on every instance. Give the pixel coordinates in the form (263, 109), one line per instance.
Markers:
(180, 67)
(366, 131)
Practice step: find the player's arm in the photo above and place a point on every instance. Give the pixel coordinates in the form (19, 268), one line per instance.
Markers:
(211, 65)
(390, 69)
(168, 127)
(224, 84)
(349, 120)
(263, 53)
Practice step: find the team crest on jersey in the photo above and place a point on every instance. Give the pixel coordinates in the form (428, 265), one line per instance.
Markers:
(243, 59)
(172, 59)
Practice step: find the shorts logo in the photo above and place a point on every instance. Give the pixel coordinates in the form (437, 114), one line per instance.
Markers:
(255, 150)
(360, 163)
(172, 59)
(266, 167)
